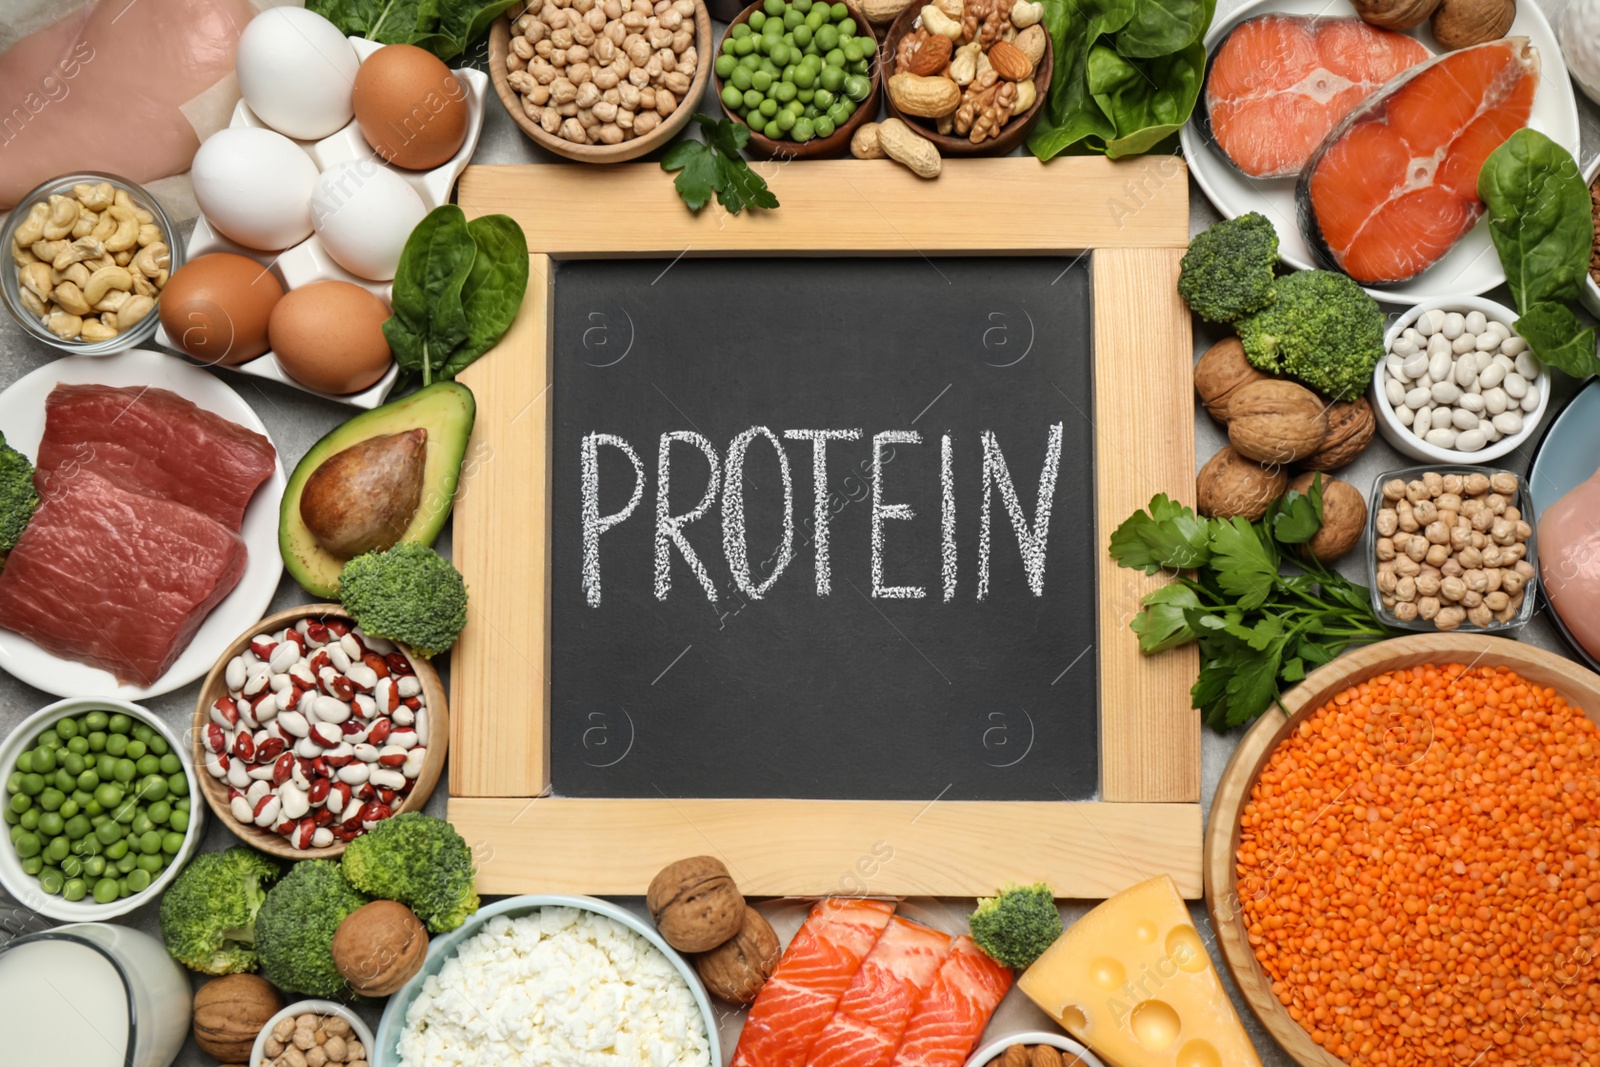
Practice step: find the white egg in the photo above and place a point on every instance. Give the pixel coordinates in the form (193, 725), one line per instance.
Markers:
(297, 72)
(255, 187)
(363, 212)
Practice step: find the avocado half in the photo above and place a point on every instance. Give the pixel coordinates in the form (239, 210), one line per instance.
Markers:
(446, 410)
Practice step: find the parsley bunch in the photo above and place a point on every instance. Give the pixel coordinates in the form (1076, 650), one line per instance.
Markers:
(1259, 630)
(715, 166)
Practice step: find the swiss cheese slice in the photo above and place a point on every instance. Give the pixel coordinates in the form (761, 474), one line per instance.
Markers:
(1132, 980)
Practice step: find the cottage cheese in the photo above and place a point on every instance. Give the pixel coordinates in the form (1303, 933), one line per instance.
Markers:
(560, 987)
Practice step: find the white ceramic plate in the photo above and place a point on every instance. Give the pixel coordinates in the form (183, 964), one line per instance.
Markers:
(22, 415)
(309, 261)
(1470, 268)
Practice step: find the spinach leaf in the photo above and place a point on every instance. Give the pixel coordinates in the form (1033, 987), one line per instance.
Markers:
(1540, 217)
(494, 287)
(429, 319)
(444, 27)
(467, 21)
(1159, 29)
(1070, 115)
(1559, 339)
(1155, 103)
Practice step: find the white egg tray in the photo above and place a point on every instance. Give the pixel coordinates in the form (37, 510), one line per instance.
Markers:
(309, 261)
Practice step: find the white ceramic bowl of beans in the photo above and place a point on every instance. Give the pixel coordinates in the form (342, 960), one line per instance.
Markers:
(1591, 291)
(359, 1030)
(1401, 436)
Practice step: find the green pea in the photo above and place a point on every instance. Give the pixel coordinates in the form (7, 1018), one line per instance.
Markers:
(804, 78)
(857, 87)
(48, 739)
(96, 720)
(51, 881)
(793, 18)
(149, 842)
(109, 833)
(731, 96)
(69, 808)
(170, 764)
(179, 820)
(72, 865)
(752, 99)
(751, 62)
(141, 823)
(803, 8)
(181, 804)
(44, 760)
(803, 130)
(724, 68)
(76, 827)
(761, 81)
(108, 794)
(129, 861)
(743, 46)
(835, 58)
(827, 38)
(838, 13)
(779, 54)
(117, 745)
(860, 66)
(120, 723)
(785, 121)
(21, 803)
(62, 781)
(12, 818)
(847, 26)
(802, 34)
(150, 861)
(94, 866)
(29, 820)
(822, 99)
(840, 111)
(32, 866)
(159, 812)
(88, 780)
(805, 96)
(740, 79)
(106, 890)
(28, 844)
(51, 824)
(158, 745)
(97, 741)
(147, 765)
(171, 843)
(757, 20)
(125, 771)
(832, 79)
(178, 784)
(142, 732)
(768, 108)
(727, 46)
(75, 889)
(33, 784)
(739, 32)
(25, 762)
(126, 811)
(57, 850)
(88, 845)
(104, 764)
(816, 17)
(93, 808)
(78, 746)
(71, 764)
(51, 798)
(138, 881)
(137, 750)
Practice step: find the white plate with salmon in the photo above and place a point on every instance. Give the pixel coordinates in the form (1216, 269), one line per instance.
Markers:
(1363, 145)
(155, 541)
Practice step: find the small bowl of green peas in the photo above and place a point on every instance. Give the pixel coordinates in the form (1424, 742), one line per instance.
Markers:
(802, 74)
(101, 806)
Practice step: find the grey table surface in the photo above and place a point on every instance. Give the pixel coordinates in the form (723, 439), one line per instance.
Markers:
(295, 420)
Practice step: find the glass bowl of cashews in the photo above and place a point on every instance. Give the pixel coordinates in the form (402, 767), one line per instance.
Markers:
(90, 254)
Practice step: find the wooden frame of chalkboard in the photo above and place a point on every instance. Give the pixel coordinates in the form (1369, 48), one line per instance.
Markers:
(1132, 218)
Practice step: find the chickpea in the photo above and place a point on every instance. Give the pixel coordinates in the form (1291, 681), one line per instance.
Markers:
(1450, 618)
(1388, 521)
(1437, 533)
(1433, 482)
(1437, 554)
(1383, 548)
(1406, 589)
(1452, 589)
(1405, 612)
(1425, 511)
(1480, 615)
(1417, 548)
(1394, 489)
(1428, 607)
(1503, 482)
(1407, 567)
(1428, 585)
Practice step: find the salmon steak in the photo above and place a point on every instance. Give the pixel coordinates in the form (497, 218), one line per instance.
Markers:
(1395, 186)
(817, 968)
(1279, 84)
(950, 1018)
(873, 1013)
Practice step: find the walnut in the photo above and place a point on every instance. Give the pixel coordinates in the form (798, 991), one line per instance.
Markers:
(1344, 516)
(985, 20)
(1276, 422)
(1220, 373)
(1350, 429)
(985, 106)
(736, 970)
(229, 1012)
(378, 947)
(695, 904)
(1230, 485)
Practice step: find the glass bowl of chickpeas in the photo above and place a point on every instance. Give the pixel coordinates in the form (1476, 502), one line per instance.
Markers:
(1451, 548)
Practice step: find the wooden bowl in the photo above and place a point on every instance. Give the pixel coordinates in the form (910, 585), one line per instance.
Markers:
(499, 48)
(1012, 133)
(838, 143)
(1579, 687)
(214, 688)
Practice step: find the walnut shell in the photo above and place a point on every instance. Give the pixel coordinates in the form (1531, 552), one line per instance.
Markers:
(229, 1012)
(1464, 23)
(1220, 373)
(1230, 485)
(736, 970)
(378, 947)
(1273, 421)
(1344, 516)
(695, 904)
(1350, 429)
(1396, 14)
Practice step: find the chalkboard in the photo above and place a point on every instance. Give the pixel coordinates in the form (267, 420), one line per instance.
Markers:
(898, 674)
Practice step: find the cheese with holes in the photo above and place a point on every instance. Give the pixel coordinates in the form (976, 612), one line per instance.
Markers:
(1133, 982)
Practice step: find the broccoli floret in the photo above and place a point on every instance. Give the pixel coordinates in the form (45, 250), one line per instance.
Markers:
(18, 498)
(409, 594)
(1322, 330)
(208, 914)
(421, 862)
(1227, 272)
(295, 928)
(1018, 925)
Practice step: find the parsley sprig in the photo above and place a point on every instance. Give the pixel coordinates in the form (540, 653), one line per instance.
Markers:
(715, 166)
(1259, 630)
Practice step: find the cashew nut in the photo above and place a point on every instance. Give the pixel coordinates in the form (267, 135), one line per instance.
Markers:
(96, 197)
(79, 251)
(105, 279)
(135, 309)
(63, 216)
(142, 286)
(104, 227)
(150, 259)
(32, 228)
(123, 258)
(77, 274)
(121, 199)
(32, 302)
(21, 256)
(49, 250)
(964, 67)
(936, 21)
(149, 235)
(64, 325)
(113, 300)
(35, 278)
(94, 331)
(1027, 94)
(87, 220)
(1025, 13)
(127, 232)
(69, 298)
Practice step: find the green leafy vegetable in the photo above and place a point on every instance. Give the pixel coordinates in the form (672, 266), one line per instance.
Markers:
(715, 166)
(1321, 329)
(1228, 271)
(420, 861)
(1258, 629)
(456, 291)
(18, 498)
(1127, 74)
(444, 27)
(408, 593)
(1015, 927)
(1542, 224)
(208, 913)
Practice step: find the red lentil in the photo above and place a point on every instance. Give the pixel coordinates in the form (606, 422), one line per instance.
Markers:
(1419, 872)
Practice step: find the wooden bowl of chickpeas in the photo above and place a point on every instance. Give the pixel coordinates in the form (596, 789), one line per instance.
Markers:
(602, 81)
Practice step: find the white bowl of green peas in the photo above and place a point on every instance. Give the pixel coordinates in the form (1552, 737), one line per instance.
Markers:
(102, 809)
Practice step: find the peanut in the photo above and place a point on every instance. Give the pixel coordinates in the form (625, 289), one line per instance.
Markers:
(864, 143)
(907, 147)
(924, 97)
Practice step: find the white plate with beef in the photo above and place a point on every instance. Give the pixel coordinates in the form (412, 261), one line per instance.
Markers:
(157, 539)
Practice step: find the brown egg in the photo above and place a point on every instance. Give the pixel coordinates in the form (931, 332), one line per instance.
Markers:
(215, 308)
(328, 336)
(411, 109)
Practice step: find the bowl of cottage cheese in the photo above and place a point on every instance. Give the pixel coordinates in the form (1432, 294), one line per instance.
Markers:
(561, 981)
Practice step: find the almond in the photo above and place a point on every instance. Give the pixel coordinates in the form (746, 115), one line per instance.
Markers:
(932, 57)
(1010, 62)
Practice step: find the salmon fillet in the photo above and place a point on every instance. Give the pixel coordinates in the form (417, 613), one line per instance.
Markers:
(1396, 185)
(1279, 84)
(873, 1013)
(950, 1018)
(818, 966)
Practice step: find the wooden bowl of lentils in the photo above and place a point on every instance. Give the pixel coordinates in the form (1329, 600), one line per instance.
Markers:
(592, 82)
